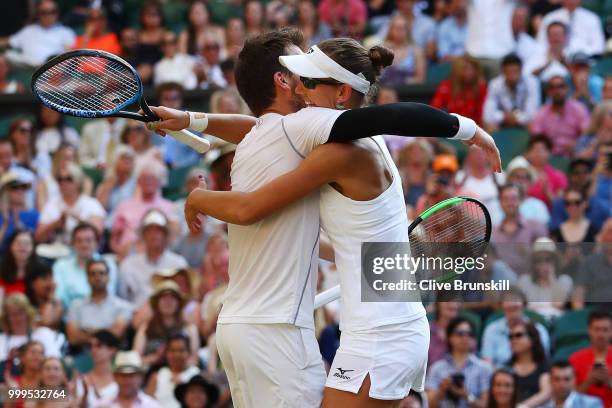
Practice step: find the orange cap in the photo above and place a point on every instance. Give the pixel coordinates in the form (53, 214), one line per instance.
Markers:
(445, 162)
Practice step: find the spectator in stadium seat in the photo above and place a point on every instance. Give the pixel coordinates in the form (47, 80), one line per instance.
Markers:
(310, 23)
(502, 392)
(445, 312)
(175, 66)
(17, 262)
(525, 43)
(129, 214)
(137, 269)
(577, 227)
(452, 31)
(593, 283)
(134, 55)
(52, 132)
(460, 378)
(550, 59)
(464, 92)
(495, 346)
(161, 384)
(100, 310)
(14, 213)
(128, 371)
(520, 173)
(99, 138)
(8, 86)
(40, 290)
(549, 181)
(414, 161)
(31, 358)
(585, 28)
(36, 42)
(138, 137)
(119, 182)
(152, 336)
(598, 134)
(546, 289)
(228, 68)
(346, 18)
(197, 393)
(99, 385)
(61, 214)
(409, 65)
(602, 174)
(586, 86)
(176, 154)
(440, 184)
(579, 176)
(593, 364)
(199, 27)
(96, 35)
(563, 389)
(489, 36)
(514, 233)
(563, 119)
(19, 327)
(254, 17)
(151, 32)
(70, 272)
(512, 98)
(8, 164)
(528, 361)
(207, 67)
(234, 38)
(21, 135)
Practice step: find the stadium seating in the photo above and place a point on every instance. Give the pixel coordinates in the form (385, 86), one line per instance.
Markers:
(511, 142)
(570, 329)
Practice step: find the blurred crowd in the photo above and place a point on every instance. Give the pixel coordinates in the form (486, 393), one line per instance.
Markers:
(106, 294)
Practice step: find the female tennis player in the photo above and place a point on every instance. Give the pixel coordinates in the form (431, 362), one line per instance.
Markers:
(383, 347)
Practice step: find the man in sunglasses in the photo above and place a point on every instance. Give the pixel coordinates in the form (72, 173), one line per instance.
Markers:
(14, 211)
(35, 43)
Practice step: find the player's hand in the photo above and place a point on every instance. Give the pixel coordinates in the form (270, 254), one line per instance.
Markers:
(485, 141)
(170, 119)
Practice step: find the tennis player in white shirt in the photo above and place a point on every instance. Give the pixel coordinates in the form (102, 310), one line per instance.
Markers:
(265, 335)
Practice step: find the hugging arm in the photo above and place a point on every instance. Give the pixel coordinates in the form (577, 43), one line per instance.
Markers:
(245, 208)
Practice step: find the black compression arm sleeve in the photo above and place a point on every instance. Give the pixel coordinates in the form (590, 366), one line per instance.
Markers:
(402, 119)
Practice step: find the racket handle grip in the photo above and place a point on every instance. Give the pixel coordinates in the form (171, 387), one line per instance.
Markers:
(199, 144)
(327, 296)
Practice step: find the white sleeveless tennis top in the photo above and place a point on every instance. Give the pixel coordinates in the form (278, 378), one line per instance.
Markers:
(349, 223)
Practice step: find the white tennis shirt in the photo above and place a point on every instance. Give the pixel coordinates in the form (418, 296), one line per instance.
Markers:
(273, 263)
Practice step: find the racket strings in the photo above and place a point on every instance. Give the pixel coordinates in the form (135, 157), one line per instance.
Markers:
(87, 83)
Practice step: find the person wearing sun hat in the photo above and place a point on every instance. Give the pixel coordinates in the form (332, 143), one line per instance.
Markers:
(13, 206)
(545, 291)
(128, 371)
(196, 393)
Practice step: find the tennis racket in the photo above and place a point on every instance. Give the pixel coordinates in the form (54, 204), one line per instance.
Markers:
(459, 224)
(96, 84)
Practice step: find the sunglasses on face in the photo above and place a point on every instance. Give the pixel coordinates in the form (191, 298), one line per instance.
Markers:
(311, 83)
(47, 12)
(65, 179)
(25, 129)
(20, 187)
(571, 203)
(463, 333)
(517, 335)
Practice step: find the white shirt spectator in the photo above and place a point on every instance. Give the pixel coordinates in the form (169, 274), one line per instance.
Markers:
(136, 272)
(53, 342)
(85, 208)
(98, 138)
(585, 31)
(489, 33)
(49, 140)
(538, 59)
(177, 69)
(34, 44)
(524, 100)
(526, 45)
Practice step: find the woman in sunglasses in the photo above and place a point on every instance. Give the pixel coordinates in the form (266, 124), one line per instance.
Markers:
(577, 228)
(529, 363)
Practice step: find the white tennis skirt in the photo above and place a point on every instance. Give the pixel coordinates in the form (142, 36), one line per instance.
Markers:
(395, 356)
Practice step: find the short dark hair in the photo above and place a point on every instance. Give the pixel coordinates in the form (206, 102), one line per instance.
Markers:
(598, 315)
(539, 138)
(258, 62)
(178, 336)
(100, 261)
(83, 226)
(561, 364)
(537, 349)
(107, 338)
(228, 64)
(511, 59)
(509, 186)
(169, 86)
(556, 23)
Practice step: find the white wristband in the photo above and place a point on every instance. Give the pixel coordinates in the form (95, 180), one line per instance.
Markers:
(197, 124)
(467, 128)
